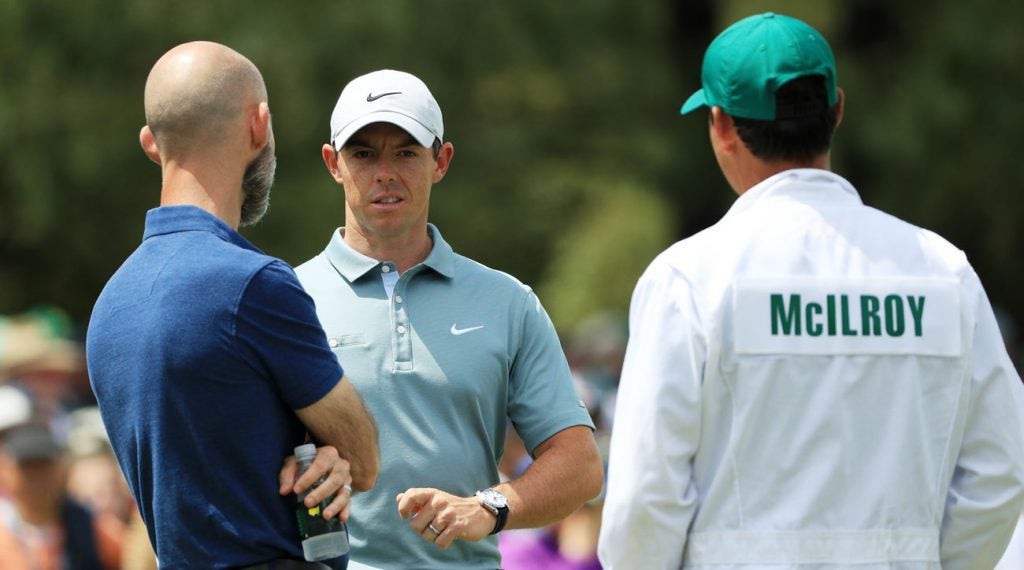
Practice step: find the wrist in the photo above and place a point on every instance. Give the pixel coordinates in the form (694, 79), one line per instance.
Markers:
(495, 502)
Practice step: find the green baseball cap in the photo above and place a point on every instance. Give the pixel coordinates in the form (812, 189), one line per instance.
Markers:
(751, 59)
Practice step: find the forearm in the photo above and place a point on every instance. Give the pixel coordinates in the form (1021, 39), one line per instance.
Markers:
(341, 419)
(356, 439)
(566, 473)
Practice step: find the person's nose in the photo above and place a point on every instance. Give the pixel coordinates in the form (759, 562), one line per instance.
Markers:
(385, 171)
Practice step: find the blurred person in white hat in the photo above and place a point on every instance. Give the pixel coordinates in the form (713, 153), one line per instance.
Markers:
(444, 350)
(41, 527)
(37, 357)
(15, 407)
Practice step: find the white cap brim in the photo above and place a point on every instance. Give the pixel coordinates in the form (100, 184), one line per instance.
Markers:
(410, 125)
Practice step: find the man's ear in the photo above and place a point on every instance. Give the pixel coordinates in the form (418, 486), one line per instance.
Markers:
(148, 142)
(723, 129)
(444, 160)
(259, 126)
(331, 162)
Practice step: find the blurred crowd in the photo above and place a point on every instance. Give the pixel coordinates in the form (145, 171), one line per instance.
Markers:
(64, 503)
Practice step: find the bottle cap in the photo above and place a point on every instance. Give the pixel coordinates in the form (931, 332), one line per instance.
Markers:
(305, 452)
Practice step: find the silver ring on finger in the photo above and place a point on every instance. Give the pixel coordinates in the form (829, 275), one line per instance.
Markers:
(348, 489)
(433, 530)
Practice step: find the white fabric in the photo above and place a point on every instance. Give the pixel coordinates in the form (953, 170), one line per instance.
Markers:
(1013, 558)
(866, 414)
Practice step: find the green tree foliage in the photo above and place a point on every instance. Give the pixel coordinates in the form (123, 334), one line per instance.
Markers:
(572, 166)
(933, 126)
(597, 260)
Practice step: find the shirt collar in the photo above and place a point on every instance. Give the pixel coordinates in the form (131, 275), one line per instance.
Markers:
(352, 265)
(807, 185)
(174, 219)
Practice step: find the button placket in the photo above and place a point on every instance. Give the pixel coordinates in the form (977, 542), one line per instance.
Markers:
(403, 330)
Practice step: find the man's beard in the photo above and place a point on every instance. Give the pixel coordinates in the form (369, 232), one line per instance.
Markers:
(259, 177)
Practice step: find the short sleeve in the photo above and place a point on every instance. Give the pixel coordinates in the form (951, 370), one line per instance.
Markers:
(542, 398)
(277, 322)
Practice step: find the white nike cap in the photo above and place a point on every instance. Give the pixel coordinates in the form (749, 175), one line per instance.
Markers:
(386, 96)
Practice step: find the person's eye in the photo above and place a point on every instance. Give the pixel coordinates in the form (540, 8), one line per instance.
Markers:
(407, 153)
(361, 154)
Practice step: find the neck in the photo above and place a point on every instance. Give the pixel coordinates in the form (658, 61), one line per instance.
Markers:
(753, 171)
(218, 192)
(404, 251)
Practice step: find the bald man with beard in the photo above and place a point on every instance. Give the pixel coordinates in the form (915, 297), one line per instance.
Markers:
(205, 354)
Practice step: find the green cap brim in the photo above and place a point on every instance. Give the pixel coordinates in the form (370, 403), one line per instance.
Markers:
(695, 100)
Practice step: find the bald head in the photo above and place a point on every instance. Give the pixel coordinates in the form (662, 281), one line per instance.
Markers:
(196, 93)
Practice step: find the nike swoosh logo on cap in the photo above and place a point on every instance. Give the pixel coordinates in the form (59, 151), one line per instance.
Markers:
(457, 331)
(370, 97)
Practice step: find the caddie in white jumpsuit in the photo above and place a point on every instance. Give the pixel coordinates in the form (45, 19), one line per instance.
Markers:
(810, 383)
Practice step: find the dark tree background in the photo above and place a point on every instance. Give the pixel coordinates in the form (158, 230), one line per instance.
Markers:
(572, 168)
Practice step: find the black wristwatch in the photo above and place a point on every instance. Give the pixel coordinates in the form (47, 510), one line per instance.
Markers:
(496, 502)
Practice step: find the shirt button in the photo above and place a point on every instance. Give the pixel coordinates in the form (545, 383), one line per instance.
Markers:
(401, 329)
(333, 343)
(386, 269)
(398, 298)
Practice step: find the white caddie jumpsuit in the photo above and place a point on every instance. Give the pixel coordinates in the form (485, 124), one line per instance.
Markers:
(812, 383)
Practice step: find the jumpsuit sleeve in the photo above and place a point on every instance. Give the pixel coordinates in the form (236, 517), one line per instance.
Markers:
(651, 497)
(987, 489)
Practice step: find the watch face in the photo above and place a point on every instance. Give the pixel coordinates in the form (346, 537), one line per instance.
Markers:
(494, 498)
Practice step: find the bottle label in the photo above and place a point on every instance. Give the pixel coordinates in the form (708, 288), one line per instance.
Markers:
(312, 522)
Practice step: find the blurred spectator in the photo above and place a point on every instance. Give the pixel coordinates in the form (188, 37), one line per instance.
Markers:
(37, 356)
(515, 458)
(595, 354)
(41, 528)
(96, 481)
(570, 544)
(43, 379)
(15, 407)
(94, 477)
(136, 550)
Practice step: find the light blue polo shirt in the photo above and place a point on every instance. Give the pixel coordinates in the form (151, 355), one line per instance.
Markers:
(442, 362)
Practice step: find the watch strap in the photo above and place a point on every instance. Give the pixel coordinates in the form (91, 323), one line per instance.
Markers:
(502, 514)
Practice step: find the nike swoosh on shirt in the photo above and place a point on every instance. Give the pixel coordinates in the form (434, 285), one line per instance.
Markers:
(370, 97)
(457, 331)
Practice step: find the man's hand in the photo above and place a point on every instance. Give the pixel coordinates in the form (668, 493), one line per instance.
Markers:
(337, 481)
(441, 518)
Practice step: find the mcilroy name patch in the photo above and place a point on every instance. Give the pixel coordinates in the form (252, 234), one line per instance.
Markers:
(847, 316)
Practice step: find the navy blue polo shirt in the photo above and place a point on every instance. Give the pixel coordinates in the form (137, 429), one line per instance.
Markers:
(200, 348)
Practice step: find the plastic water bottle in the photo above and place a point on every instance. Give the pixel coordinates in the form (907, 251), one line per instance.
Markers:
(321, 539)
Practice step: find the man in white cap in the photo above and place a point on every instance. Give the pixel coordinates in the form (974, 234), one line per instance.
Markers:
(809, 383)
(444, 351)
